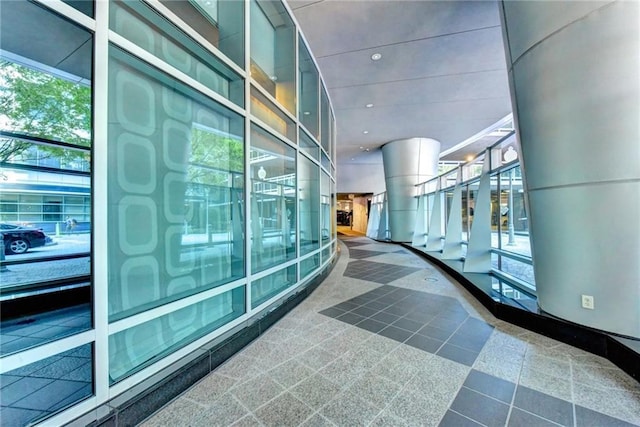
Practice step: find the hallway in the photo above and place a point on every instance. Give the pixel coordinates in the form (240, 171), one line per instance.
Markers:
(389, 340)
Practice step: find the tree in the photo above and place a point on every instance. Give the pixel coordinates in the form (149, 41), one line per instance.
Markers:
(39, 104)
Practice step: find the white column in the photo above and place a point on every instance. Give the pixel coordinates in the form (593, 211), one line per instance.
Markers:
(407, 162)
(574, 74)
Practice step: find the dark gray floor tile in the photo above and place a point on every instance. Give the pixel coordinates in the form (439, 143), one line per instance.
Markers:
(364, 311)
(457, 315)
(588, 418)
(332, 312)
(376, 305)
(59, 368)
(478, 407)
(408, 324)
(549, 407)
(420, 316)
(433, 332)
(385, 317)
(473, 343)
(20, 344)
(457, 354)
(490, 385)
(346, 306)
(371, 325)
(475, 327)
(445, 324)
(350, 318)
(398, 311)
(359, 300)
(424, 343)
(453, 419)
(82, 393)
(395, 333)
(520, 418)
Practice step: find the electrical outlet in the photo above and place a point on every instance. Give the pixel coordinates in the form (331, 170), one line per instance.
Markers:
(587, 302)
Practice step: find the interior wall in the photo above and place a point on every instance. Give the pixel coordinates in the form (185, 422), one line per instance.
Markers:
(360, 214)
(360, 178)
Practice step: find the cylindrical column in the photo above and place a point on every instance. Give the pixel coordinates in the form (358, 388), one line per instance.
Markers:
(574, 75)
(407, 162)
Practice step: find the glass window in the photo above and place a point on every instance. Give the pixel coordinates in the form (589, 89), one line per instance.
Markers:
(309, 265)
(273, 284)
(176, 187)
(309, 146)
(273, 38)
(308, 76)
(45, 149)
(273, 200)
(325, 131)
(143, 26)
(144, 344)
(220, 22)
(40, 389)
(325, 208)
(266, 111)
(84, 6)
(309, 197)
(515, 230)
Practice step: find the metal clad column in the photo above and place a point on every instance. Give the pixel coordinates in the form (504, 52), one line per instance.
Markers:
(407, 162)
(574, 75)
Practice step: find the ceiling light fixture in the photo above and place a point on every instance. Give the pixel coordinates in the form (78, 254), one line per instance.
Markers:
(365, 132)
(369, 105)
(376, 56)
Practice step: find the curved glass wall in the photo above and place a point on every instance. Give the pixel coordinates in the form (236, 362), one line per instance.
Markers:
(159, 191)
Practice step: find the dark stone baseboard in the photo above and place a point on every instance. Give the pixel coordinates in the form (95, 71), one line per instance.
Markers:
(592, 340)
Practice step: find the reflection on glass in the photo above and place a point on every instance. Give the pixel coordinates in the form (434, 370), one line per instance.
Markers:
(273, 51)
(271, 285)
(448, 201)
(273, 200)
(325, 132)
(266, 111)
(472, 197)
(175, 189)
(309, 265)
(495, 212)
(325, 208)
(219, 22)
(36, 391)
(84, 6)
(45, 196)
(465, 214)
(515, 231)
(309, 198)
(141, 345)
(142, 25)
(308, 145)
(308, 105)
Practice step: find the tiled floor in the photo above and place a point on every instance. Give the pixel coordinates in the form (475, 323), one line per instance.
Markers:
(359, 352)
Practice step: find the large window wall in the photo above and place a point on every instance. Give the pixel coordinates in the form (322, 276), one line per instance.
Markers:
(172, 188)
(491, 183)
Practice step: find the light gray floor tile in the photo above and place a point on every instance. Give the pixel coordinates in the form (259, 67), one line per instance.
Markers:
(180, 412)
(210, 388)
(290, 373)
(286, 410)
(349, 410)
(223, 412)
(316, 358)
(257, 391)
(375, 389)
(316, 391)
(318, 420)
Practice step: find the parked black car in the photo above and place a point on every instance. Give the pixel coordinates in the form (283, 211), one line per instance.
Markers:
(18, 240)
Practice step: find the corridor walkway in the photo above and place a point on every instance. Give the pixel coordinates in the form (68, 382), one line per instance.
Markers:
(389, 340)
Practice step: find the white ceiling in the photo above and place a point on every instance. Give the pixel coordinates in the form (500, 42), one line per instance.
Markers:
(442, 74)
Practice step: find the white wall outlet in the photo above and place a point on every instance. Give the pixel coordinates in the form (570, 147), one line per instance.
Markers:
(587, 302)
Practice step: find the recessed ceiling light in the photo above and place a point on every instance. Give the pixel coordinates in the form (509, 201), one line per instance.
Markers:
(365, 132)
(362, 148)
(376, 56)
(274, 78)
(352, 158)
(369, 105)
(366, 149)
(306, 113)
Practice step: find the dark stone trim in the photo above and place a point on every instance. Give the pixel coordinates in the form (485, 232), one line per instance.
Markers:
(141, 406)
(583, 337)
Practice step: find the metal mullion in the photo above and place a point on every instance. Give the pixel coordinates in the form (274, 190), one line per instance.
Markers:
(248, 183)
(100, 203)
(273, 132)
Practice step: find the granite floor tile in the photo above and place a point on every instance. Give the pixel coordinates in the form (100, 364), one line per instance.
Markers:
(394, 333)
(520, 418)
(286, 410)
(290, 373)
(210, 388)
(385, 419)
(545, 383)
(316, 358)
(376, 390)
(317, 420)
(424, 343)
(247, 421)
(257, 391)
(316, 391)
(408, 324)
(223, 412)
(457, 354)
(588, 418)
(349, 409)
(371, 325)
(418, 407)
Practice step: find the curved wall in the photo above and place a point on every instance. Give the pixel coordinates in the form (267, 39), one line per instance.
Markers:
(407, 162)
(580, 154)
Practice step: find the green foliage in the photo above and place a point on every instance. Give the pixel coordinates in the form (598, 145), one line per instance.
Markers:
(213, 156)
(40, 104)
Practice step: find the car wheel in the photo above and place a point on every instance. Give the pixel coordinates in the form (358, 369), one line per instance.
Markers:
(18, 246)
